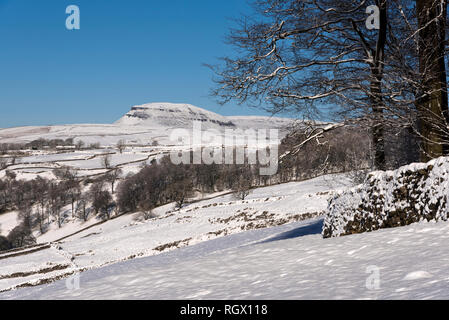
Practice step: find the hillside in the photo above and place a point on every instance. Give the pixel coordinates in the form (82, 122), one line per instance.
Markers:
(288, 262)
(129, 236)
(143, 124)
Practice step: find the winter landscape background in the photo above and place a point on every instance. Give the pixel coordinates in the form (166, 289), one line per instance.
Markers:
(224, 149)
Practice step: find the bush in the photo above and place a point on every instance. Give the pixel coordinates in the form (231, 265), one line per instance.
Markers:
(4, 244)
(21, 236)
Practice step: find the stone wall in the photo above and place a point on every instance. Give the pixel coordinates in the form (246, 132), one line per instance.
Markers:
(390, 199)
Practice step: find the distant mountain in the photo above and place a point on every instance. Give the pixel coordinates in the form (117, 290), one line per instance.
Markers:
(144, 124)
(172, 115)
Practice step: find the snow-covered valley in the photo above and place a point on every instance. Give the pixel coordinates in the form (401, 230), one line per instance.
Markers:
(268, 245)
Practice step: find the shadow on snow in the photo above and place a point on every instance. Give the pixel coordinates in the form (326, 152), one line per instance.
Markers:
(313, 228)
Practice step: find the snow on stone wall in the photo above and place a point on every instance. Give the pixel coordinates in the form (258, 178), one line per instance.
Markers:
(389, 199)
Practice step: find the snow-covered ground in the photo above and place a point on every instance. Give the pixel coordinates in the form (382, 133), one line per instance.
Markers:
(223, 248)
(129, 236)
(288, 262)
(87, 162)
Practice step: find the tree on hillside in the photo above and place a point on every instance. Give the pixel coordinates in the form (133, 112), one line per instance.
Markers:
(101, 199)
(55, 202)
(4, 244)
(70, 186)
(112, 177)
(106, 161)
(41, 187)
(180, 191)
(21, 236)
(121, 145)
(243, 183)
(81, 207)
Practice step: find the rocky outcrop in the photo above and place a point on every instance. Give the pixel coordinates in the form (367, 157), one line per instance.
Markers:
(173, 115)
(390, 199)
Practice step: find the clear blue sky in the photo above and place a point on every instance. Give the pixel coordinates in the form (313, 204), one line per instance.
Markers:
(126, 53)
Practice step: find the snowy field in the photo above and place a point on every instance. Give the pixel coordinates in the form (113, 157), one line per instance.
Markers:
(287, 262)
(86, 162)
(129, 236)
(196, 259)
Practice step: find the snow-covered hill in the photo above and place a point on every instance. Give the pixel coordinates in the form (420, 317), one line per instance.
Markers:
(287, 262)
(171, 115)
(143, 124)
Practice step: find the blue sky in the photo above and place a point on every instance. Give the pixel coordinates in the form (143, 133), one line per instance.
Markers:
(126, 53)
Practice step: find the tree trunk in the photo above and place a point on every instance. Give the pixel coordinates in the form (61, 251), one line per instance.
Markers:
(376, 89)
(432, 101)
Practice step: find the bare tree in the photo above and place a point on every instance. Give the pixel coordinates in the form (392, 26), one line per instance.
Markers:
(56, 202)
(308, 53)
(81, 207)
(21, 236)
(3, 164)
(79, 144)
(317, 56)
(121, 145)
(106, 161)
(112, 177)
(180, 191)
(147, 210)
(25, 215)
(101, 199)
(41, 187)
(242, 186)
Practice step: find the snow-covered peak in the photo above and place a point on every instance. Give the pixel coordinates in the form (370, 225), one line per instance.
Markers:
(172, 115)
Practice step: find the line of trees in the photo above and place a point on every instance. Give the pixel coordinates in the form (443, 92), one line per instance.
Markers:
(162, 182)
(39, 144)
(41, 200)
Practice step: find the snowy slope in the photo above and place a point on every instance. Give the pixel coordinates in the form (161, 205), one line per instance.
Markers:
(286, 263)
(128, 237)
